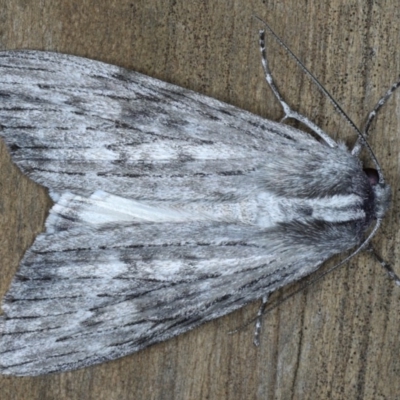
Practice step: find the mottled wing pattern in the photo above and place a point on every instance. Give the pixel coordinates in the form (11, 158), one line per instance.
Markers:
(171, 209)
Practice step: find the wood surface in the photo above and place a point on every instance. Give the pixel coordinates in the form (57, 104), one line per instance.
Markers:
(339, 339)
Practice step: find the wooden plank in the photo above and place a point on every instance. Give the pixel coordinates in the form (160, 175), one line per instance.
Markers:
(336, 340)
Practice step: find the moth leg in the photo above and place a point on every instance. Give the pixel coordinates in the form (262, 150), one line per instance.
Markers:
(386, 266)
(289, 113)
(257, 329)
(371, 116)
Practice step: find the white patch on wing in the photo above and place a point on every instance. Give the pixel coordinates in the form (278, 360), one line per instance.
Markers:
(104, 208)
(273, 209)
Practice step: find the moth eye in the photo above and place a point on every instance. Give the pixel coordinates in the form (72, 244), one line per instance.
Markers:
(372, 175)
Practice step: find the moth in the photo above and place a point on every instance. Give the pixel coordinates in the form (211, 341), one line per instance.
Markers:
(170, 208)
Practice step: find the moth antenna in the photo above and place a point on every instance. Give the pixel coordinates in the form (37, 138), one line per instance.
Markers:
(358, 145)
(361, 136)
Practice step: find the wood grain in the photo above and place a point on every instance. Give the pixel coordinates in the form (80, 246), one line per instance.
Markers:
(336, 340)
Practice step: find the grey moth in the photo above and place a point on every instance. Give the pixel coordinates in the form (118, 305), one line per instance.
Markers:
(170, 209)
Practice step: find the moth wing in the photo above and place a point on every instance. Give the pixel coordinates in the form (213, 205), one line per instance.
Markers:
(73, 124)
(155, 227)
(85, 294)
